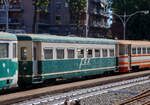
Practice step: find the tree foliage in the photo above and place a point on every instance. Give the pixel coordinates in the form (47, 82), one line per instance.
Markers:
(77, 6)
(77, 9)
(42, 5)
(39, 6)
(138, 25)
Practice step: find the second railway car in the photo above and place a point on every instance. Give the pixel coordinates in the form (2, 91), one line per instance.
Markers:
(133, 55)
(43, 57)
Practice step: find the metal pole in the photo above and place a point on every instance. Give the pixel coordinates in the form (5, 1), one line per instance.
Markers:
(7, 14)
(87, 20)
(124, 26)
(126, 18)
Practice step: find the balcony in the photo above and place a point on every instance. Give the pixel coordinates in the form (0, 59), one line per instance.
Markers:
(99, 24)
(97, 1)
(100, 12)
(12, 7)
(16, 21)
(2, 8)
(16, 8)
(105, 2)
(2, 20)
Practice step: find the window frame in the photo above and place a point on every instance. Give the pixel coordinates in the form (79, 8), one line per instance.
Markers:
(8, 51)
(111, 53)
(87, 53)
(63, 53)
(144, 48)
(148, 50)
(135, 50)
(68, 53)
(138, 50)
(78, 53)
(48, 48)
(103, 52)
(99, 52)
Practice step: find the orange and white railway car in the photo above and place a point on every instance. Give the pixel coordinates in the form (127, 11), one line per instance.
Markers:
(133, 55)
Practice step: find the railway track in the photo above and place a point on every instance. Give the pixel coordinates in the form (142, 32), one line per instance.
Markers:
(141, 99)
(85, 93)
(8, 99)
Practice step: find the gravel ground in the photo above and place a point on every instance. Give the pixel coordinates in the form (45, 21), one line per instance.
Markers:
(111, 98)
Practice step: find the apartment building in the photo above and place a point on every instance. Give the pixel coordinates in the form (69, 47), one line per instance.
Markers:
(57, 21)
(15, 14)
(19, 15)
(94, 21)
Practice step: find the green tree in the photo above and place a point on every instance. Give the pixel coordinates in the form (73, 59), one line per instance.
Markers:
(138, 25)
(77, 9)
(39, 6)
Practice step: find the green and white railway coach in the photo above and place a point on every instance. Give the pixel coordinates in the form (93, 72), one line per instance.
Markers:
(43, 57)
(8, 60)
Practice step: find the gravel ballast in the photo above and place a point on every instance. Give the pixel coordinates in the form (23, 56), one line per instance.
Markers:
(110, 98)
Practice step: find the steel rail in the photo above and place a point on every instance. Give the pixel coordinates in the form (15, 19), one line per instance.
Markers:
(136, 98)
(85, 93)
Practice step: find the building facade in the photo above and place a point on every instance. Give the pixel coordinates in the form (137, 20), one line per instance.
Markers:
(18, 15)
(93, 22)
(58, 21)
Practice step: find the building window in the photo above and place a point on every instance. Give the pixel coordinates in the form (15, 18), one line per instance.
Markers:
(58, 19)
(111, 52)
(97, 53)
(14, 50)
(89, 53)
(144, 50)
(80, 53)
(4, 50)
(48, 53)
(105, 52)
(139, 50)
(58, 6)
(60, 53)
(133, 50)
(23, 53)
(71, 53)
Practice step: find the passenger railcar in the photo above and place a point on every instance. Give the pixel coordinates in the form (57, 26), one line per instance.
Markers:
(133, 55)
(8, 60)
(43, 57)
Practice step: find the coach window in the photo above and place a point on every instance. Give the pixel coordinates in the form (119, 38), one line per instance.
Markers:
(144, 50)
(122, 50)
(139, 50)
(4, 50)
(133, 50)
(148, 50)
(60, 53)
(80, 53)
(23, 53)
(111, 52)
(71, 53)
(89, 53)
(97, 53)
(14, 50)
(105, 52)
(48, 53)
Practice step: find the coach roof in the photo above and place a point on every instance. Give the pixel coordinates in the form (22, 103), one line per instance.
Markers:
(64, 39)
(134, 42)
(7, 36)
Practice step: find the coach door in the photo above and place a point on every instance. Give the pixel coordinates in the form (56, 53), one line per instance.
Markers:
(35, 59)
(129, 55)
